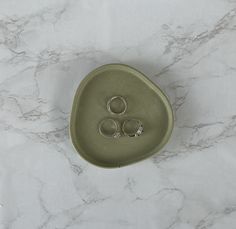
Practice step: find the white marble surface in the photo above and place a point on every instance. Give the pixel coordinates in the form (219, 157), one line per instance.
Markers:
(187, 47)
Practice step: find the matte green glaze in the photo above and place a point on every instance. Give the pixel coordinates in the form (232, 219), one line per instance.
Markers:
(145, 102)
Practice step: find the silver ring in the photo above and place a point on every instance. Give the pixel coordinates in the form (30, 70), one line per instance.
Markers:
(117, 105)
(132, 127)
(109, 128)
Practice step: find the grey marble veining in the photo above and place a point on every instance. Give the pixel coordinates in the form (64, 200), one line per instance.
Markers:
(187, 47)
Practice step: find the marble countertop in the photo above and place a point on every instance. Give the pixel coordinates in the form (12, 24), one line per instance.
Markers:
(187, 47)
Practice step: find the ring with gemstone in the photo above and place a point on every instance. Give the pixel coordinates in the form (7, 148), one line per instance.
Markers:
(109, 128)
(132, 127)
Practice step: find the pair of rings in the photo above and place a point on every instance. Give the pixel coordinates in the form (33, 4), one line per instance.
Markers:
(111, 128)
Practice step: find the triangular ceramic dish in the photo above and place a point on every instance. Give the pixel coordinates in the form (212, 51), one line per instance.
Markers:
(119, 117)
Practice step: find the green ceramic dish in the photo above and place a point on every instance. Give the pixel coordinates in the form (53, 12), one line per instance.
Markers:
(119, 117)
